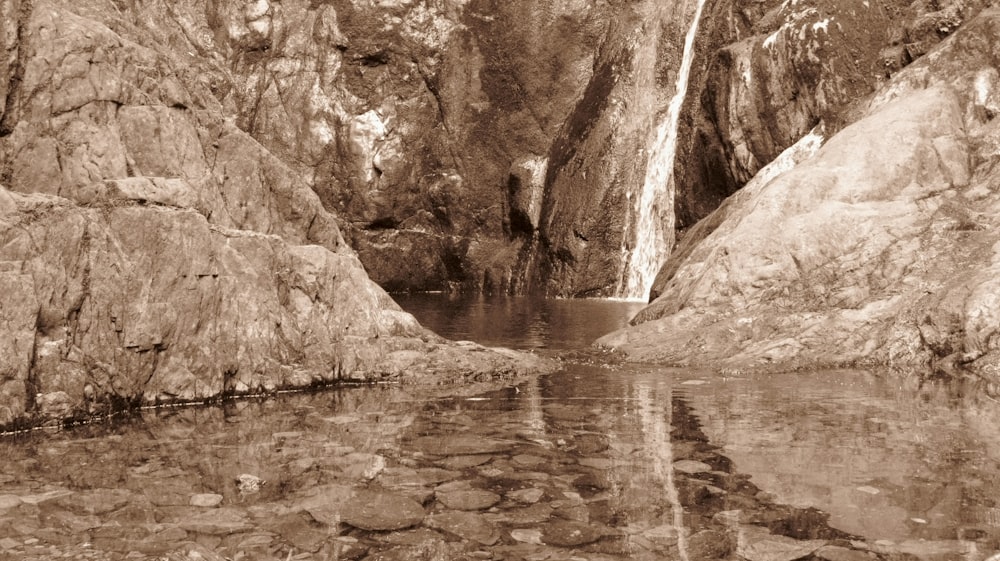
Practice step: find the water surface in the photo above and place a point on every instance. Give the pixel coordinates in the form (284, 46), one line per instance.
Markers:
(595, 462)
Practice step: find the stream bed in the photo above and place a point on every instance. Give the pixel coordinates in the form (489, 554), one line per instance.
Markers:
(599, 461)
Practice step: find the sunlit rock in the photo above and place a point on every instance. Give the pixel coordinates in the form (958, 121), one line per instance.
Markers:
(878, 248)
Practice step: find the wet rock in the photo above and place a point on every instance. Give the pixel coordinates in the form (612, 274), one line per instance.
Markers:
(589, 444)
(597, 463)
(97, 501)
(528, 460)
(526, 496)
(757, 544)
(534, 514)
(466, 525)
(835, 553)
(662, 537)
(9, 501)
(46, 496)
(464, 462)
(381, 511)
(471, 499)
(219, 521)
(692, 467)
(248, 483)
(415, 536)
(206, 500)
(403, 476)
(299, 531)
(359, 466)
(325, 502)
(459, 445)
(527, 536)
(569, 534)
(710, 544)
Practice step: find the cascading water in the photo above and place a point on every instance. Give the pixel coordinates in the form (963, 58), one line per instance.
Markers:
(654, 208)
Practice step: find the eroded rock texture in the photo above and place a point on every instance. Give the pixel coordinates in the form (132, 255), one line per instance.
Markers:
(772, 71)
(151, 248)
(881, 247)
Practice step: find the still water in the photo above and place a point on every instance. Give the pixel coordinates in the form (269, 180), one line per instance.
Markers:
(595, 462)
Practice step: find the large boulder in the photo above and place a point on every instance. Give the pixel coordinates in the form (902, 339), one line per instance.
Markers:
(880, 248)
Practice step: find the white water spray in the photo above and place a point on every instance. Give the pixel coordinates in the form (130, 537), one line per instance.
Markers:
(654, 207)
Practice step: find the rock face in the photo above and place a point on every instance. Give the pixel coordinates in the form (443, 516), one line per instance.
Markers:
(881, 247)
(151, 249)
(772, 71)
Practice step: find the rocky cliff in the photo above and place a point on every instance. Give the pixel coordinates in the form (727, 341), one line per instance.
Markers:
(163, 234)
(880, 246)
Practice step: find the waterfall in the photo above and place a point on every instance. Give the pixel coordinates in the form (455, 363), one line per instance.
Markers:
(656, 198)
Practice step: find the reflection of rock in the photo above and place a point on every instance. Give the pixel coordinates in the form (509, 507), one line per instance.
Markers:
(878, 248)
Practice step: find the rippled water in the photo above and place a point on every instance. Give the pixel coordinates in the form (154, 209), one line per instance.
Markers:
(593, 462)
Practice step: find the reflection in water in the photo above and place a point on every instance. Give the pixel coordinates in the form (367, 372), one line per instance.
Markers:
(519, 322)
(885, 461)
(594, 462)
(655, 416)
(588, 463)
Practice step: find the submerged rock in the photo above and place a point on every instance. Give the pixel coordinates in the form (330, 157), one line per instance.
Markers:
(381, 511)
(466, 525)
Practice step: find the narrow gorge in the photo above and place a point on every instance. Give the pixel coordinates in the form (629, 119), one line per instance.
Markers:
(208, 199)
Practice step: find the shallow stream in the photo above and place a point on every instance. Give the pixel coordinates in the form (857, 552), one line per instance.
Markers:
(595, 462)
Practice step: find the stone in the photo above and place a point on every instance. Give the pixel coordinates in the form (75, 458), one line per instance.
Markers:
(248, 483)
(471, 499)
(526, 496)
(325, 502)
(206, 500)
(692, 467)
(836, 553)
(218, 521)
(569, 534)
(466, 525)
(299, 531)
(360, 466)
(464, 462)
(527, 536)
(97, 501)
(9, 501)
(757, 544)
(460, 445)
(528, 460)
(381, 511)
